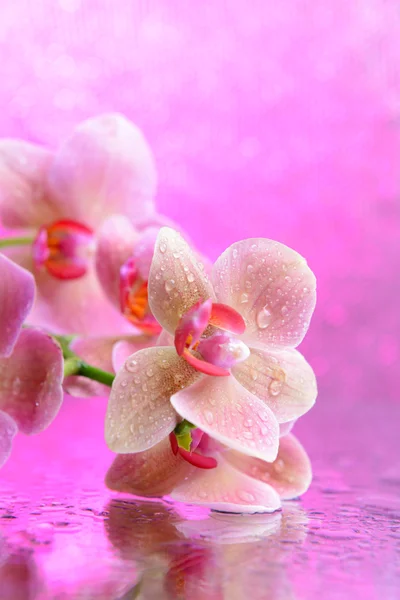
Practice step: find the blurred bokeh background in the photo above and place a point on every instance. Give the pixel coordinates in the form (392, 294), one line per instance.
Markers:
(267, 118)
(274, 119)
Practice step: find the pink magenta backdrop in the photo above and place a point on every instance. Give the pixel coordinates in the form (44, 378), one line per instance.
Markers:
(267, 118)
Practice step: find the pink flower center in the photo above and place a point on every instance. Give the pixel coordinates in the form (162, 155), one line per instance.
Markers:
(194, 455)
(134, 299)
(63, 248)
(218, 348)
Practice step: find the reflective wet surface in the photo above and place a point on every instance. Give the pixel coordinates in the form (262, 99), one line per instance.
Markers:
(65, 536)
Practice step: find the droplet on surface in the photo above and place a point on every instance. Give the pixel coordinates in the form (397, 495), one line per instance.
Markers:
(209, 417)
(190, 277)
(163, 247)
(244, 298)
(263, 318)
(169, 285)
(275, 387)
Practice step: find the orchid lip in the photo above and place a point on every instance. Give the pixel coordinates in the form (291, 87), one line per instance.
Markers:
(191, 456)
(63, 248)
(221, 351)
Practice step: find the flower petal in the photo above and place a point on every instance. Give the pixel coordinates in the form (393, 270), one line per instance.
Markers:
(115, 243)
(31, 381)
(271, 286)
(104, 167)
(176, 280)
(139, 413)
(282, 379)
(227, 489)
(152, 473)
(124, 348)
(24, 201)
(290, 474)
(8, 430)
(17, 291)
(77, 306)
(285, 428)
(221, 407)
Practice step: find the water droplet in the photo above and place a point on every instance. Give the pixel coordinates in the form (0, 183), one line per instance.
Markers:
(163, 247)
(234, 253)
(288, 279)
(244, 298)
(248, 285)
(131, 366)
(279, 465)
(248, 423)
(190, 277)
(254, 375)
(141, 429)
(144, 387)
(202, 494)
(245, 496)
(275, 387)
(149, 372)
(263, 318)
(175, 254)
(248, 435)
(305, 290)
(124, 383)
(250, 269)
(284, 310)
(209, 417)
(169, 285)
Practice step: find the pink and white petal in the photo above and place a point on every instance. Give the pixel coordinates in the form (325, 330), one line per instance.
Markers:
(271, 286)
(144, 251)
(227, 489)
(8, 430)
(225, 410)
(115, 243)
(282, 379)
(77, 306)
(177, 281)
(124, 348)
(24, 201)
(285, 428)
(290, 474)
(165, 339)
(139, 413)
(105, 167)
(17, 292)
(153, 473)
(31, 381)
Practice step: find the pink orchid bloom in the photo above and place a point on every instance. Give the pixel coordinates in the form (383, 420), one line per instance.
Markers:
(61, 199)
(237, 387)
(31, 362)
(239, 483)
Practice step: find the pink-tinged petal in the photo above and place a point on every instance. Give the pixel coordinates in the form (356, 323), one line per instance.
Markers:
(124, 348)
(24, 201)
(139, 413)
(285, 428)
(177, 281)
(8, 430)
(225, 410)
(144, 251)
(115, 242)
(198, 460)
(227, 489)
(31, 381)
(17, 291)
(290, 474)
(165, 339)
(77, 306)
(203, 366)
(271, 286)
(152, 473)
(105, 167)
(227, 318)
(282, 379)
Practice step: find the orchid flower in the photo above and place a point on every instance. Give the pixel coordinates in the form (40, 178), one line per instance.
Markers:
(238, 483)
(31, 362)
(234, 372)
(58, 200)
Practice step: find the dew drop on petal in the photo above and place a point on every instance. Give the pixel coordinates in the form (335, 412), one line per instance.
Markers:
(263, 318)
(279, 465)
(131, 366)
(163, 247)
(209, 417)
(234, 253)
(190, 277)
(245, 496)
(275, 387)
(169, 285)
(284, 310)
(244, 298)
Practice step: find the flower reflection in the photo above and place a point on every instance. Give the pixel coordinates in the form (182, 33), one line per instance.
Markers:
(190, 553)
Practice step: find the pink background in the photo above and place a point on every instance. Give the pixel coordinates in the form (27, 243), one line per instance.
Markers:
(267, 118)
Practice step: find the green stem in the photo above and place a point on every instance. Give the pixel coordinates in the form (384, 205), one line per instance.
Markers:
(74, 365)
(16, 241)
